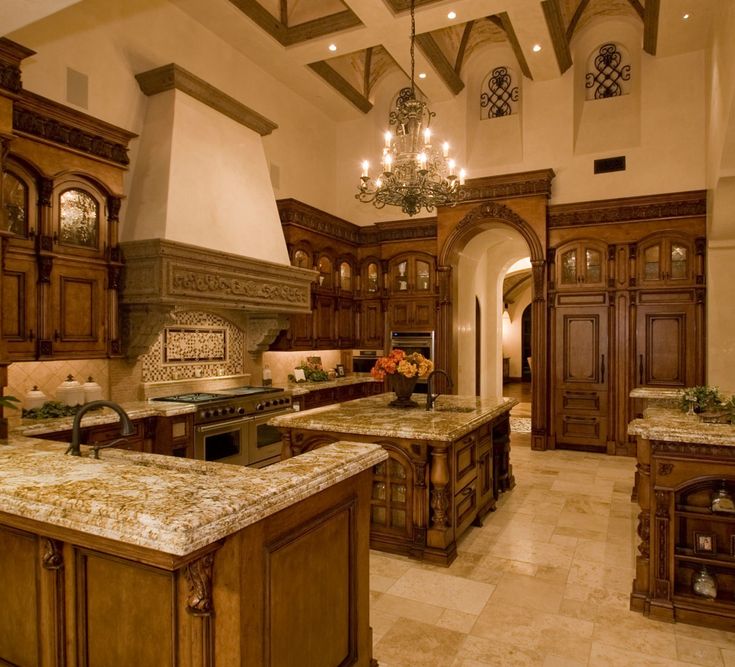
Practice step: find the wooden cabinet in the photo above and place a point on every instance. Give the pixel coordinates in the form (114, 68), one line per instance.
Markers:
(627, 305)
(20, 305)
(412, 313)
(581, 265)
(175, 436)
(428, 493)
(665, 260)
(680, 534)
(141, 440)
(580, 375)
(329, 395)
(371, 324)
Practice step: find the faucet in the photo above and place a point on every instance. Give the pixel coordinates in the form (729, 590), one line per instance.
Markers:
(430, 396)
(127, 427)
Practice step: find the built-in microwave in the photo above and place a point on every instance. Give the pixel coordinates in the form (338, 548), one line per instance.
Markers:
(364, 360)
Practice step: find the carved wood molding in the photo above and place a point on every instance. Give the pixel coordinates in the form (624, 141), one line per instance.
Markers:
(629, 209)
(172, 76)
(50, 121)
(11, 55)
(506, 186)
(692, 449)
(52, 556)
(199, 577)
(295, 212)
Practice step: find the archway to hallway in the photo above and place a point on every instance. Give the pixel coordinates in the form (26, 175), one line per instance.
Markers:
(473, 262)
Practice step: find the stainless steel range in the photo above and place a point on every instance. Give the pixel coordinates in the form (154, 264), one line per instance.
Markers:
(230, 424)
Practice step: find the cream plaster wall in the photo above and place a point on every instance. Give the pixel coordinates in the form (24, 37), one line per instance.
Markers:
(112, 40)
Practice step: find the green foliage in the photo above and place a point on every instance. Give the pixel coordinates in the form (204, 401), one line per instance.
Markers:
(701, 398)
(51, 410)
(9, 402)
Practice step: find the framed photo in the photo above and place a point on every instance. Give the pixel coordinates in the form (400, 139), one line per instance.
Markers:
(299, 375)
(705, 543)
(315, 361)
(340, 370)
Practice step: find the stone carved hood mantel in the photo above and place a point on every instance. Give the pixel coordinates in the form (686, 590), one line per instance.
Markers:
(161, 276)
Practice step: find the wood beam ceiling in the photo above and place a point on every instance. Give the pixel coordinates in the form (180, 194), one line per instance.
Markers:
(341, 85)
(439, 61)
(650, 26)
(555, 24)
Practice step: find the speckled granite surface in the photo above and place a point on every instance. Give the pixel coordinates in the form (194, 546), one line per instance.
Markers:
(452, 417)
(677, 426)
(135, 410)
(301, 388)
(169, 504)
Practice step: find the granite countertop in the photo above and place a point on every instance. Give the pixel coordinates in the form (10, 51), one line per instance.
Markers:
(135, 410)
(677, 426)
(301, 388)
(168, 504)
(452, 417)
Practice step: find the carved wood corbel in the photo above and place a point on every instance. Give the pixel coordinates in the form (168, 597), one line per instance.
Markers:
(199, 578)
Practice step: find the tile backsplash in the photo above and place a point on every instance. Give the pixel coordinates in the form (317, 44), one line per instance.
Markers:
(48, 375)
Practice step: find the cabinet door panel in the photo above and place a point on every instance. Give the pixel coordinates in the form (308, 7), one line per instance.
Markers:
(399, 313)
(19, 316)
(581, 347)
(324, 314)
(665, 341)
(424, 314)
(78, 310)
(371, 324)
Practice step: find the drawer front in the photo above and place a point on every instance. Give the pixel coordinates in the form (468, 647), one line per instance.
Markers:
(582, 430)
(465, 507)
(465, 461)
(581, 400)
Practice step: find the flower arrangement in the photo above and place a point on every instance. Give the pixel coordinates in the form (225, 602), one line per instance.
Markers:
(400, 363)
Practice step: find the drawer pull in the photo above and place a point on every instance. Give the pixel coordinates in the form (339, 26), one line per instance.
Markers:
(467, 491)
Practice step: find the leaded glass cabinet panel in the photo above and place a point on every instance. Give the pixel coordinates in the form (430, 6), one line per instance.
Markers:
(373, 278)
(581, 264)
(15, 203)
(79, 219)
(666, 260)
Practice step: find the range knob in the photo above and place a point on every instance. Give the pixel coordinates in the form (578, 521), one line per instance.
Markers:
(259, 406)
(206, 414)
(241, 411)
(231, 409)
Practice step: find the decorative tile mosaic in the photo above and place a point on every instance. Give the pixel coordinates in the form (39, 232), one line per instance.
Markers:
(199, 345)
(194, 344)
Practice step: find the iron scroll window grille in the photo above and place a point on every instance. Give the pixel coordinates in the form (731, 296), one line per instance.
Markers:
(606, 81)
(503, 94)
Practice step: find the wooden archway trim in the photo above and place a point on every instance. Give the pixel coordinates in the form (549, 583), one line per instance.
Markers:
(480, 218)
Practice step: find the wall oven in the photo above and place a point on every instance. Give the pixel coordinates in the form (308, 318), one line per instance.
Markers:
(414, 341)
(230, 426)
(364, 360)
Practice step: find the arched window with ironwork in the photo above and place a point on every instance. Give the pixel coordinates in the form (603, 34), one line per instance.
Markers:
(500, 93)
(608, 72)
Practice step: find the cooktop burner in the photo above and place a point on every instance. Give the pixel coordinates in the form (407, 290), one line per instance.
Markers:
(205, 396)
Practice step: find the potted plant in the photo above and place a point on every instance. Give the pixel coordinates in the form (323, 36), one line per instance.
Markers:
(701, 399)
(403, 371)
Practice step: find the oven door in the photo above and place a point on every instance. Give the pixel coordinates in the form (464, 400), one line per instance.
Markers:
(224, 442)
(264, 441)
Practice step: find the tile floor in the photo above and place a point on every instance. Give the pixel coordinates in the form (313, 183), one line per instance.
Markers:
(544, 582)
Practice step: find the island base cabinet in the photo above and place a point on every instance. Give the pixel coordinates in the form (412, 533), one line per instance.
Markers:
(289, 590)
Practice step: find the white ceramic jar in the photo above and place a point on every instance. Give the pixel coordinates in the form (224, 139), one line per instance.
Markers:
(92, 390)
(70, 392)
(34, 398)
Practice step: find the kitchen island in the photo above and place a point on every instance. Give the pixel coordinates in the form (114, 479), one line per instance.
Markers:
(146, 560)
(683, 465)
(446, 467)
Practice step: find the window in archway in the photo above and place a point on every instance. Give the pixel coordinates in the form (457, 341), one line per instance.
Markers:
(499, 95)
(608, 72)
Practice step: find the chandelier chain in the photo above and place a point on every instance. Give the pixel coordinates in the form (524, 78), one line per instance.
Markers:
(413, 39)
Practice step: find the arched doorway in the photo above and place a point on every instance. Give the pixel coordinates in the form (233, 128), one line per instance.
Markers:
(472, 261)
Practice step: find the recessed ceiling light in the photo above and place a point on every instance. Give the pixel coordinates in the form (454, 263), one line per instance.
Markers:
(452, 15)
(422, 75)
(685, 17)
(332, 47)
(536, 48)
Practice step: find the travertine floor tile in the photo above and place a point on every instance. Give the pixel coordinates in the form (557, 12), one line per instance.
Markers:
(545, 581)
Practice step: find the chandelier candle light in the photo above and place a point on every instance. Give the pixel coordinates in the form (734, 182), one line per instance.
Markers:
(414, 173)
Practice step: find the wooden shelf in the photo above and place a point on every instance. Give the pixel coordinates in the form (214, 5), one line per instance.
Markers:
(723, 605)
(691, 512)
(723, 560)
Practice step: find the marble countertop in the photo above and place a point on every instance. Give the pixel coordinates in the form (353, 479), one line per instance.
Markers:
(452, 417)
(677, 426)
(168, 504)
(135, 410)
(647, 392)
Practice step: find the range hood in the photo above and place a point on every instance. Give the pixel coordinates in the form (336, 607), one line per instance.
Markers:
(161, 276)
(202, 230)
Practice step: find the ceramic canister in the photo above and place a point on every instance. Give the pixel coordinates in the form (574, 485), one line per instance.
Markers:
(92, 390)
(70, 392)
(34, 398)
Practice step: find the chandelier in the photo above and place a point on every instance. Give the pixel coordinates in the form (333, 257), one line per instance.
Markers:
(414, 173)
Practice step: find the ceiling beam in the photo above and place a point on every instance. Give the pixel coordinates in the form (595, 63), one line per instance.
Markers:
(463, 46)
(510, 33)
(366, 73)
(575, 18)
(555, 23)
(650, 26)
(439, 61)
(302, 32)
(341, 85)
(284, 12)
(638, 8)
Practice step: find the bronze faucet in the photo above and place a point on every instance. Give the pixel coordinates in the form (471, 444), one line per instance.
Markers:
(430, 396)
(127, 427)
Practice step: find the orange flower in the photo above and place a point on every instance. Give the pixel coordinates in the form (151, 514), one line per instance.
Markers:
(408, 365)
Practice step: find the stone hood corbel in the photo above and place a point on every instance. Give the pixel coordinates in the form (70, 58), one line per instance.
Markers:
(161, 276)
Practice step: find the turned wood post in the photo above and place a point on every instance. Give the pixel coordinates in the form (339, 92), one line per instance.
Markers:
(439, 478)
(642, 583)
